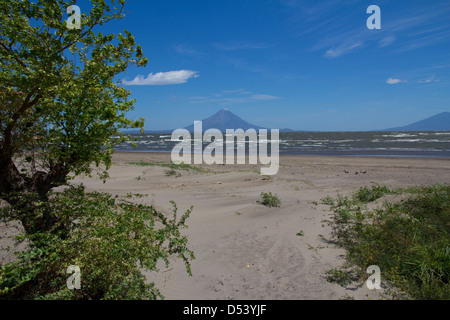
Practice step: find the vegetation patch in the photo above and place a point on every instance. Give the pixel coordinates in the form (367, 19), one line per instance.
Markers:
(172, 172)
(409, 240)
(269, 200)
(110, 240)
(171, 165)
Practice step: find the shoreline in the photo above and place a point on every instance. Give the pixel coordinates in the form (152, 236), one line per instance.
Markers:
(372, 143)
(323, 155)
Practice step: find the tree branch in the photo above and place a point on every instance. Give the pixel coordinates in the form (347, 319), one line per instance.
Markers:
(8, 130)
(14, 54)
(90, 28)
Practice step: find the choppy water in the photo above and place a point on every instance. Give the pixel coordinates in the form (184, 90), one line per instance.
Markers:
(423, 144)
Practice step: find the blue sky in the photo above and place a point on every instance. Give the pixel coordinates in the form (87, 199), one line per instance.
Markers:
(307, 65)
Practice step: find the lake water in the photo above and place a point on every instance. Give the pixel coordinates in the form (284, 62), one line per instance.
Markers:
(406, 144)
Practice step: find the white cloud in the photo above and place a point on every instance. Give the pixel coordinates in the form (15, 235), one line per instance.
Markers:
(227, 97)
(394, 81)
(162, 78)
(341, 50)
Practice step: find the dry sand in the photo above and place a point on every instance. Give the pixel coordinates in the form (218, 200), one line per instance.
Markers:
(248, 251)
(245, 250)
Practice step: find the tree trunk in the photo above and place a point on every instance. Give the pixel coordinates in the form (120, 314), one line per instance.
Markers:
(24, 193)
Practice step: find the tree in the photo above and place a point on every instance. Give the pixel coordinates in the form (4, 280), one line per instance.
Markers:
(60, 108)
(61, 111)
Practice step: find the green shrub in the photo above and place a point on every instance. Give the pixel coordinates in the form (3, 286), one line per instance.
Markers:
(111, 240)
(269, 200)
(408, 240)
(366, 195)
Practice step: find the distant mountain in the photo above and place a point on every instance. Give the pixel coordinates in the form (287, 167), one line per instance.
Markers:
(222, 120)
(225, 119)
(439, 122)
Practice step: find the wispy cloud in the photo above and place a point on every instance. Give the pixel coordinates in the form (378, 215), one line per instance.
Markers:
(417, 42)
(240, 45)
(227, 97)
(244, 65)
(341, 50)
(414, 28)
(238, 92)
(430, 79)
(162, 78)
(386, 41)
(394, 81)
(263, 97)
(185, 49)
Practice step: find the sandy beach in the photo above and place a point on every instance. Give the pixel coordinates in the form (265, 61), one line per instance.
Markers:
(245, 250)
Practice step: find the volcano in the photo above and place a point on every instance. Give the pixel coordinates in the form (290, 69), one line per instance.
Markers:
(223, 120)
(438, 122)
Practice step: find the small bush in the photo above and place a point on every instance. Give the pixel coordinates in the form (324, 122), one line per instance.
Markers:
(111, 240)
(269, 200)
